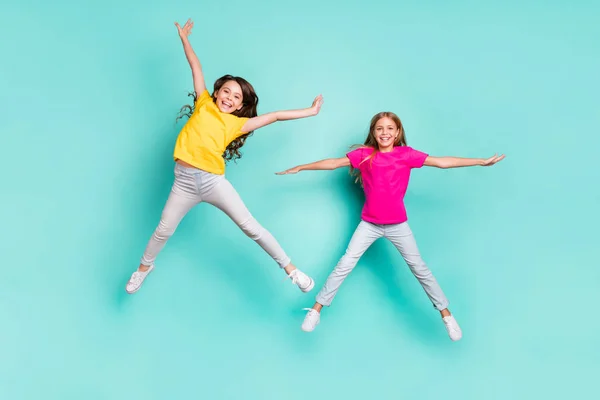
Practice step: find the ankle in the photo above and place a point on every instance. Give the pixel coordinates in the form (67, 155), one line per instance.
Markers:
(143, 268)
(289, 269)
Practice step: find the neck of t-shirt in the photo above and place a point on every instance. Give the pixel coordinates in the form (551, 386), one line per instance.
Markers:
(386, 151)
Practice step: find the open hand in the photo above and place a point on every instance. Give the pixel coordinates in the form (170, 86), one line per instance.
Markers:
(186, 30)
(316, 105)
(492, 160)
(294, 170)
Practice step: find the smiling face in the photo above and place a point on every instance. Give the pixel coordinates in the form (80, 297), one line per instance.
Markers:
(386, 132)
(229, 98)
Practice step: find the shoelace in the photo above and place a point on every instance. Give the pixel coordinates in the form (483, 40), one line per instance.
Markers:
(293, 276)
(450, 324)
(136, 277)
(312, 317)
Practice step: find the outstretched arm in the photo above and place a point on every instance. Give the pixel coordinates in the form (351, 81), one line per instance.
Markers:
(457, 162)
(268, 118)
(327, 164)
(197, 75)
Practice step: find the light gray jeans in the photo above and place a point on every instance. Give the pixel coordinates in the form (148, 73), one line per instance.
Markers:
(402, 238)
(193, 186)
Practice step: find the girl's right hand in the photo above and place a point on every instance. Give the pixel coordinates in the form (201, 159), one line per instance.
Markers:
(294, 170)
(316, 105)
(186, 30)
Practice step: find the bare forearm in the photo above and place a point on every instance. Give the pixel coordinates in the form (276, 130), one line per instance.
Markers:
(269, 118)
(286, 115)
(197, 75)
(458, 162)
(190, 54)
(327, 164)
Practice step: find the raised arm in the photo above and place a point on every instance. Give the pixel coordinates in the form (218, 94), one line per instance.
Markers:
(327, 164)
(457, 162)
(197, 75)
(268, 118)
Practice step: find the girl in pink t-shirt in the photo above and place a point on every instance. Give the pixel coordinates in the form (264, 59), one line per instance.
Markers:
(383, 166)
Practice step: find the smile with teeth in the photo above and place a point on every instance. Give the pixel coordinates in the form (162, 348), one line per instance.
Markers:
(227, 104)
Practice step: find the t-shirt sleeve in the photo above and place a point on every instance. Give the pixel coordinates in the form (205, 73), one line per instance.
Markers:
(355, 157)
(235, 128)
(415, 158)
(203, 98)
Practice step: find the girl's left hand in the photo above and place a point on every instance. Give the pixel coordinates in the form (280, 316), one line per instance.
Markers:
(294, 170)
(492, 160)
(316, 105)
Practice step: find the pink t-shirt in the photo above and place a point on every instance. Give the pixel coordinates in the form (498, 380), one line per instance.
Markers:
(385, 179)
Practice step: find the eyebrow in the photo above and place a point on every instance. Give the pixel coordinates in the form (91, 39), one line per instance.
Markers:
(233, 91)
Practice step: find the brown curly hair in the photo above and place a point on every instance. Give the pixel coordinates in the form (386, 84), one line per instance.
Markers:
(248, 110)
(371, 142)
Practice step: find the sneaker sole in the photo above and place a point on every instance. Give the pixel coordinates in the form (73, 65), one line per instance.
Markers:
(309, 330)
(310, 286)
(133, 291)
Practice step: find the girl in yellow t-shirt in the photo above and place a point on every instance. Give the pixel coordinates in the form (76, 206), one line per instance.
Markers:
(218, 126)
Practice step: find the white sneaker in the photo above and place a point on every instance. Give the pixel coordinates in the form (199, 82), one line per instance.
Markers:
(136, 280)
(452, 327)
(311, 320)
(304, 282)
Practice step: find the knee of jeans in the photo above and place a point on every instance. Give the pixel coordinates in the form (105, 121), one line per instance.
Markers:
(419, 268)
(163, 231)
(346, 264)
(350, 256)
(252, 229)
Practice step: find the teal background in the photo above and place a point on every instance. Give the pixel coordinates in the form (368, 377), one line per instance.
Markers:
(90, 92)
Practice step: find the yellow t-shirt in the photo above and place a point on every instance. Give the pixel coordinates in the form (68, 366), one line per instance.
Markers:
(206, 135)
